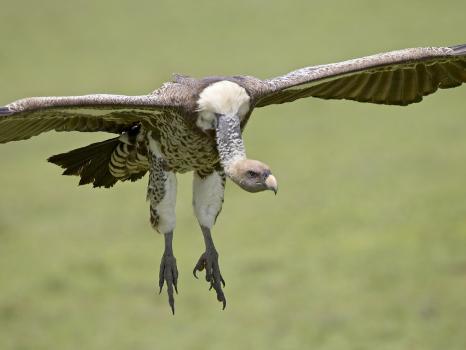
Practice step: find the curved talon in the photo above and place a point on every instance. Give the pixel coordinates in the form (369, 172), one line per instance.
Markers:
(208, 276)
(209, 262)
(200, 265)
(169, 274)
(161, 275)
(220, 295)
(171, 300)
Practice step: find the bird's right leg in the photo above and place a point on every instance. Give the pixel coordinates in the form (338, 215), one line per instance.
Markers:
(208, 191)
(161, 193)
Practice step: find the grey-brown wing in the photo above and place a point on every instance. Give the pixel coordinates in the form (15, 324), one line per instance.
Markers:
(29, 117)
(395, 78)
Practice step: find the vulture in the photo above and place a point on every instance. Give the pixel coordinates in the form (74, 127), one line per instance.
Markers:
(196, 125)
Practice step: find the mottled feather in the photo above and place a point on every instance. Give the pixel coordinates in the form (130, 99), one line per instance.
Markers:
(397, 78)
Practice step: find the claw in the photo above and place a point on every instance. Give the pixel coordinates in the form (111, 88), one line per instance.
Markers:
(172, 305)
(200, 265)
(209, 261)
(161, 281)
(220, 295)
(169, 274)
(161, 275)
(175, 278)
(171, 299)
(208, 276)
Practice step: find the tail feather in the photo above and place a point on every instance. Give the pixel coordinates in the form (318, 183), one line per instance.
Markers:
(90, 163)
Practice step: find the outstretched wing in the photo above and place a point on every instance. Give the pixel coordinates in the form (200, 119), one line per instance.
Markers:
(394, 78)
(29, 117)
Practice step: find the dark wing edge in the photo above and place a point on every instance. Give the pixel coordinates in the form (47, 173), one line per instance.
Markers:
(32, 116)
(5, 111)
(394, 78)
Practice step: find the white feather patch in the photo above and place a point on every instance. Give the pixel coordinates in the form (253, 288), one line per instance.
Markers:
(207, 198)
(223, 97)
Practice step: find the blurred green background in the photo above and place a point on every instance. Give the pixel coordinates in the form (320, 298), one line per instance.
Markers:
(363, 248)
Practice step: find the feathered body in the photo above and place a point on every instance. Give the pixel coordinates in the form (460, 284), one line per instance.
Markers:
(186, 139)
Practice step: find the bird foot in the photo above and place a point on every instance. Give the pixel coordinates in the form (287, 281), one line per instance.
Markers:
(169, 273)
(209, 262)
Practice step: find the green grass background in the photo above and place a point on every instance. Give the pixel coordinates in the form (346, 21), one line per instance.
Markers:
(363, 248)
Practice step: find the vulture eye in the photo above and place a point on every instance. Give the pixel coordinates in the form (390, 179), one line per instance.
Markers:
(251, 173)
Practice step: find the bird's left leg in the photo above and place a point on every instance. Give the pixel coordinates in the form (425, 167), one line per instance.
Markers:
(161, 193)
(208, 193)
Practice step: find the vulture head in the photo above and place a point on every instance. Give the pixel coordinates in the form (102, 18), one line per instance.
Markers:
(252, 176)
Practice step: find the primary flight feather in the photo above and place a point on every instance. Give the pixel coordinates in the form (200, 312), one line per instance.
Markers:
(196, 124)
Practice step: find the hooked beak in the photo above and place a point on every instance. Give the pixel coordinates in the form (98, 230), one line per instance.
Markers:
(271, 183)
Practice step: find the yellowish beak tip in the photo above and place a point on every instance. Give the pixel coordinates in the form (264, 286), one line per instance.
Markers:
(271, 183)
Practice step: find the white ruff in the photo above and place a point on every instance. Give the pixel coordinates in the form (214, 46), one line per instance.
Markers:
(207, 198)
(223, 97)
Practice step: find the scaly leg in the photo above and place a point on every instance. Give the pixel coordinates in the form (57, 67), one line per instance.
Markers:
(168, 271)
(207, 201)
(161, 193)
(209, 262)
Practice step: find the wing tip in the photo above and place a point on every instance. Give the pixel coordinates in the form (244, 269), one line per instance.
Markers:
(459, 49)
(5, 111)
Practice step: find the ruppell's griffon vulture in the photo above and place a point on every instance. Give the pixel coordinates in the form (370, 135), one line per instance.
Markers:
(196, 124)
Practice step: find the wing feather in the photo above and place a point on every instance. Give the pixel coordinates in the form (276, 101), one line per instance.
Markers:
(396, 78)
(371, 87)
(29, 117)
(424, 80)
(360, 85)
(396, 95)
(411, 87)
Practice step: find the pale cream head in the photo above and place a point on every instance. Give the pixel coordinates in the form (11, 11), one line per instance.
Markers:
(253, 176)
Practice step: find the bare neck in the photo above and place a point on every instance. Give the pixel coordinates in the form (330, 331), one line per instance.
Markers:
(229, 141)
